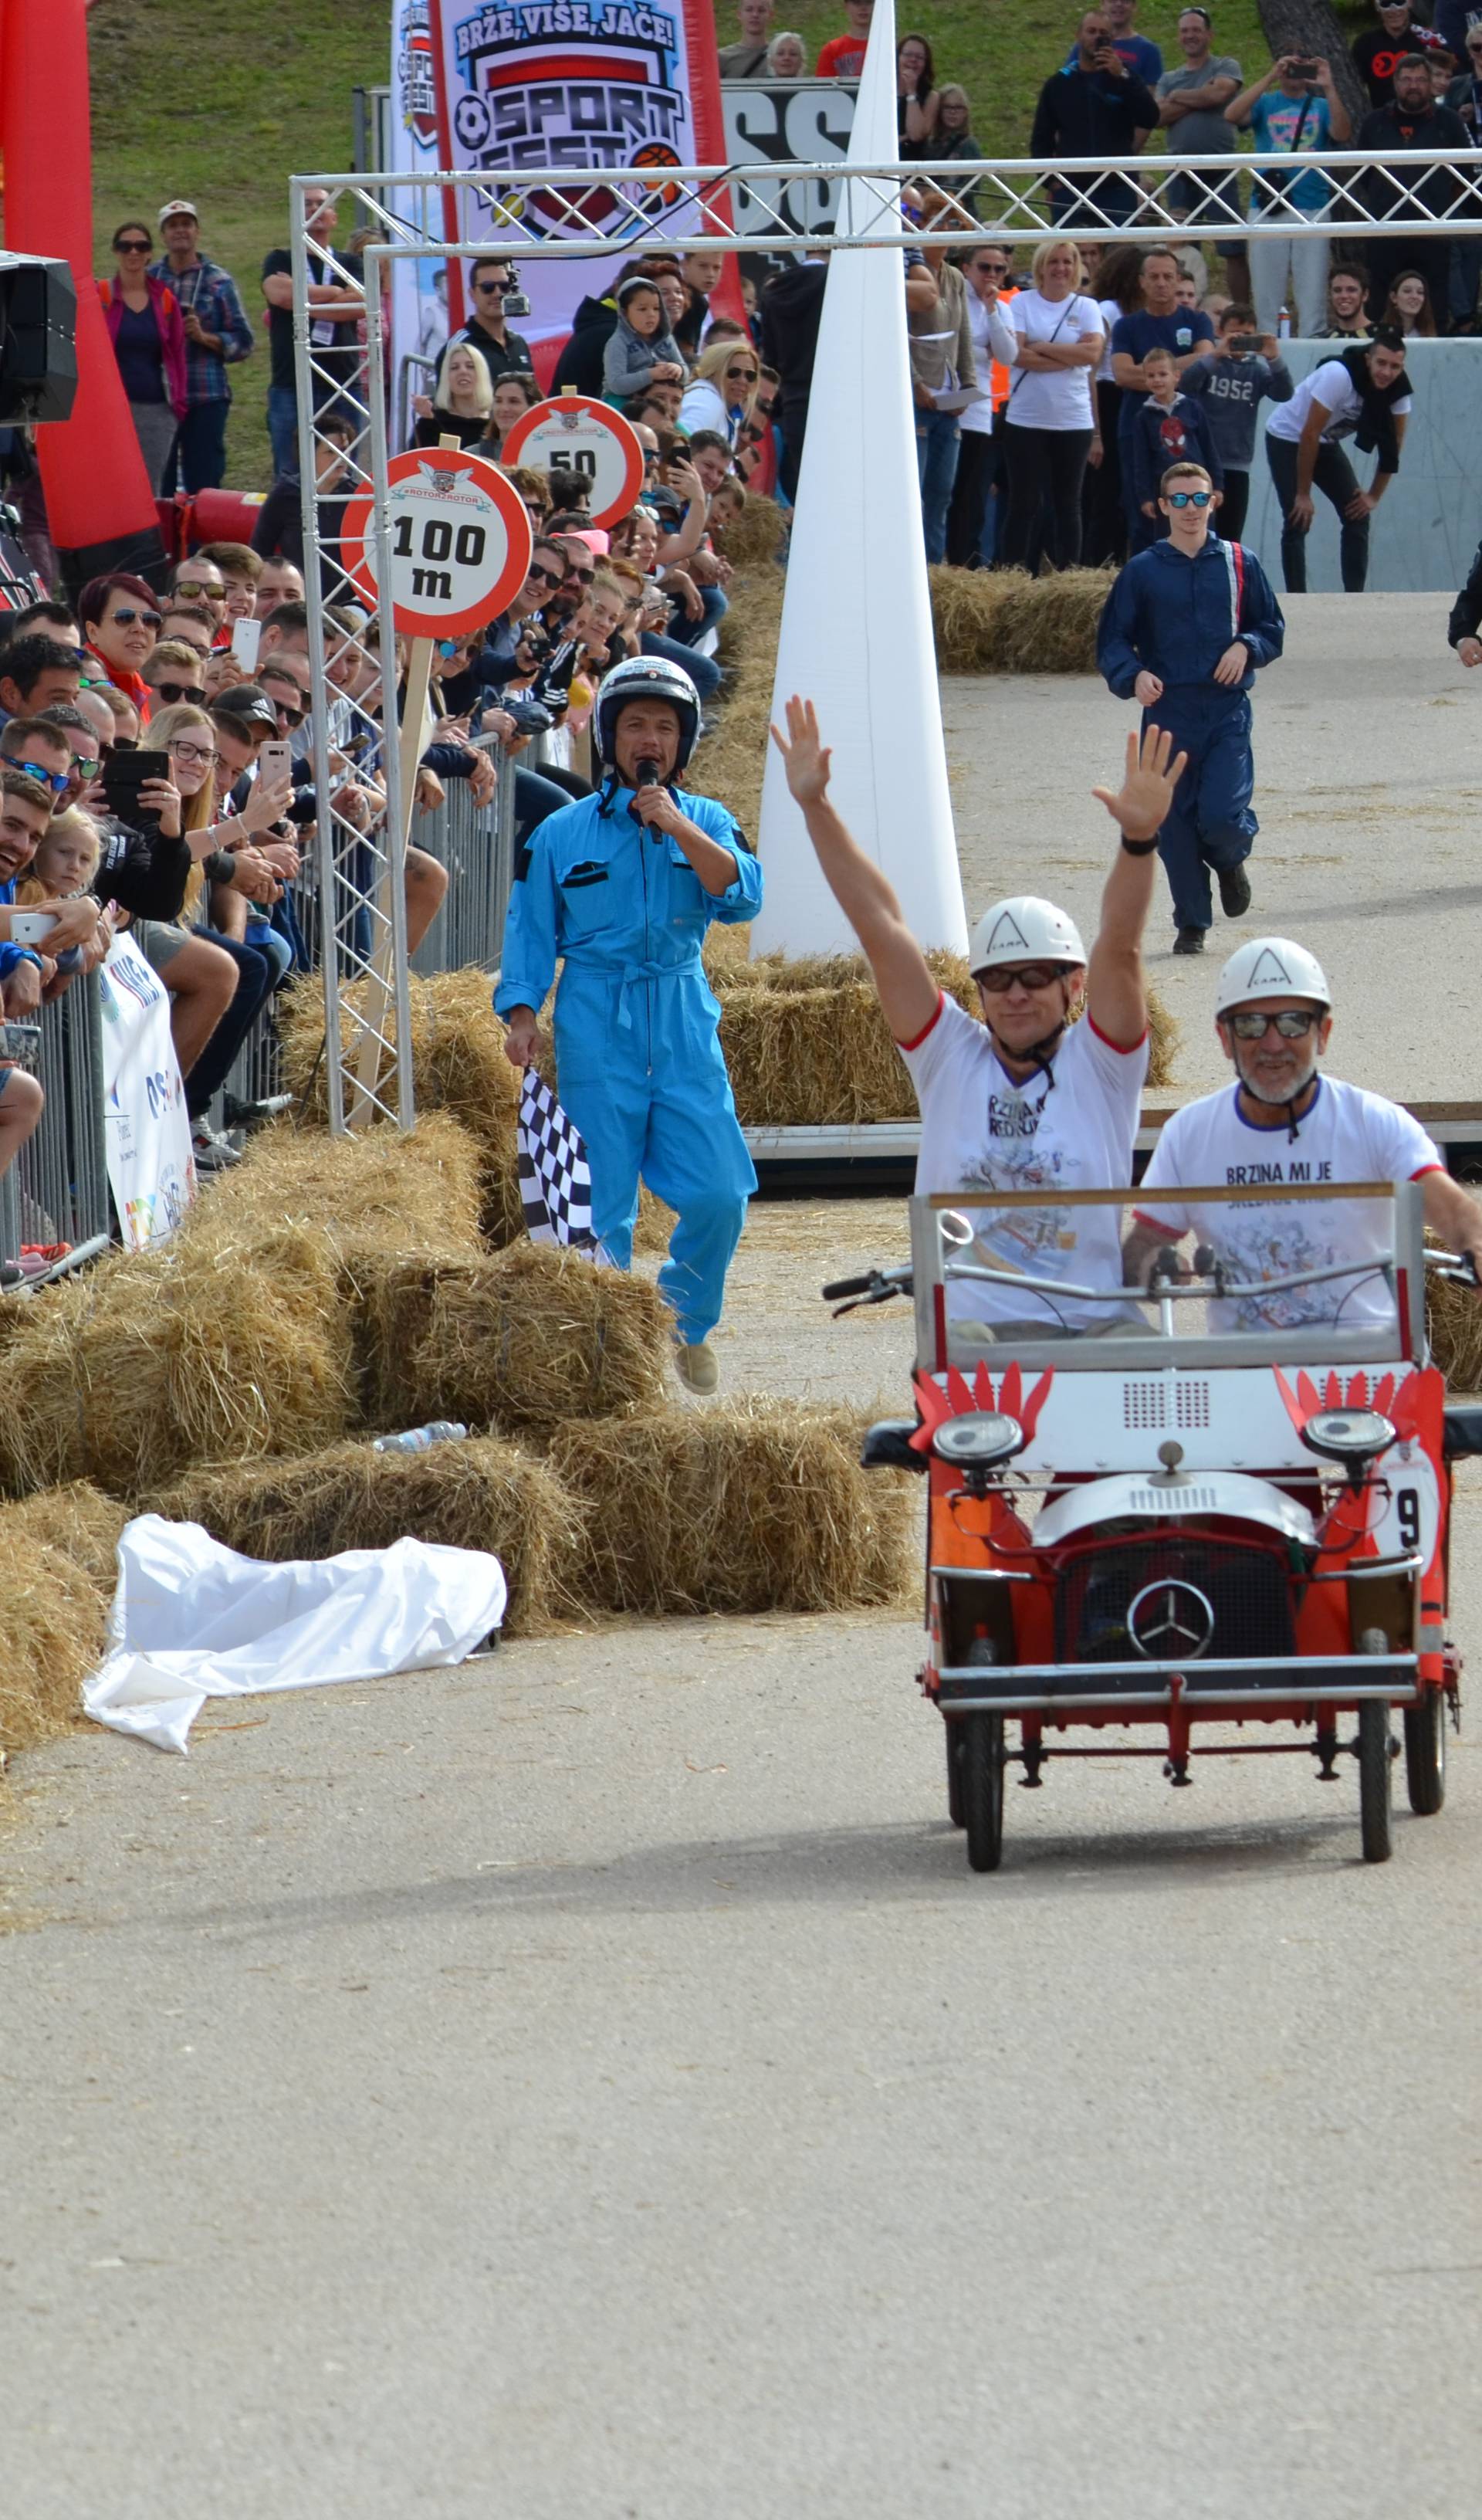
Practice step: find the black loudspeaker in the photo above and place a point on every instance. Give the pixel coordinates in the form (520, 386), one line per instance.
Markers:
(38, 343)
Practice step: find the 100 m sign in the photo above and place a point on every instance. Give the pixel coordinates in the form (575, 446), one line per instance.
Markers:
(458, 538)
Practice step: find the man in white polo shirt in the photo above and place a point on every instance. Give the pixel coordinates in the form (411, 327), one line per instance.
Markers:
(1363, 395)
(1029, 1097)
(1285, 1124)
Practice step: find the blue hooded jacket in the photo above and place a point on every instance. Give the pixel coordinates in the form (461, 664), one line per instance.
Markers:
(1176, 615)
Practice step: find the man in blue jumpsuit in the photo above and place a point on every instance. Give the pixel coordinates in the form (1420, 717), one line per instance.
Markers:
(623, 886)
(1183, 630)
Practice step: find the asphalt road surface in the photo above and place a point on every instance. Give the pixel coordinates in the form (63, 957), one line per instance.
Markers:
(591, 2083)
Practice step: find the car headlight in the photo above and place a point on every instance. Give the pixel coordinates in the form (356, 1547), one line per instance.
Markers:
(1351, 1436)
(978, 1438)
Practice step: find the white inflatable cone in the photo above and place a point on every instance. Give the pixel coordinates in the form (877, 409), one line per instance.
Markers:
(856, 633)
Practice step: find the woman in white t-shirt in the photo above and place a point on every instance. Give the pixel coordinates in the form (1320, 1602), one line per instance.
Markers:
(1050, 416)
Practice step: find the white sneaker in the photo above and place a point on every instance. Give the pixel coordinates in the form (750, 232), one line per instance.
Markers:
(695, 1365)
(213, 1154)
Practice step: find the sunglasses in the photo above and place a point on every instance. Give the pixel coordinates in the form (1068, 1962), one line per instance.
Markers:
(128, 612)
(493, 288)
(1030, 976)
(747, 375)
(85, 766)
(290, 716)
(581, 576)
(120, 743)
(173, 692)
(543, 577)
(194, 591)
(1292, 1024)
(133, 245)
(56, 780)
(1188, 498)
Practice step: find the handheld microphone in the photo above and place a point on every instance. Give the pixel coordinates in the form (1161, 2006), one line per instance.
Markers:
(646, 776)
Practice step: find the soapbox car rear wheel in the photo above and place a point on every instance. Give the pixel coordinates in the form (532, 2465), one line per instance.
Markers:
(981, 1773)
(1425, 1752)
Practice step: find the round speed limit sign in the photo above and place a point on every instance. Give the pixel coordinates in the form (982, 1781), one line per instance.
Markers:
(460, 542)
(572, 435)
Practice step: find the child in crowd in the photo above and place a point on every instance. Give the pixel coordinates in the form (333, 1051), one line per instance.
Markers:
(61, 869)
(1169, 428)
(728, 507)
(641, 349)
(1232, 378)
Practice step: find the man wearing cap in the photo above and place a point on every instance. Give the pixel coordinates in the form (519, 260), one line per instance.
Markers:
(1285, 1124)
(623, 886)
(1029, 1097)
(217, 335)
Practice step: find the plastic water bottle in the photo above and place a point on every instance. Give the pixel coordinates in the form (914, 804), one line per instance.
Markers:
(421, 1439)
(1283, 325)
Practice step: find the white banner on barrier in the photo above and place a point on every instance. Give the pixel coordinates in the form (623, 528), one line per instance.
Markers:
(151, 1170)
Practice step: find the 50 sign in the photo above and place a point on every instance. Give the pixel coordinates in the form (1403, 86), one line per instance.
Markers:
(459, 543)
(595, 444)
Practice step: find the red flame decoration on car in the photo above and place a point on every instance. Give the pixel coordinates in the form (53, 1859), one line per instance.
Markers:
(959, 1396)
(1395, 1400)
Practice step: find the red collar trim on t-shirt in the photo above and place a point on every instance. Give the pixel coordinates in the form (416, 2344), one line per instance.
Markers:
(936, 1014)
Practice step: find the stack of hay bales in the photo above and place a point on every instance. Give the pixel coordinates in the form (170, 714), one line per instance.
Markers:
(755, 536)
(57, 1550)
(1003, 621)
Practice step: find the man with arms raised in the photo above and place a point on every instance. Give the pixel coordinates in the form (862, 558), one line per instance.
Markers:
(1029, 1098)
(1286, 1123)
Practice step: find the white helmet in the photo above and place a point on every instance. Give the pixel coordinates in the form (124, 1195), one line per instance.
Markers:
(1270, 966)
(1024, 929)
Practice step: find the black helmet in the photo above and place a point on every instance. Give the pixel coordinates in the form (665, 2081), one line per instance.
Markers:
(644, 678)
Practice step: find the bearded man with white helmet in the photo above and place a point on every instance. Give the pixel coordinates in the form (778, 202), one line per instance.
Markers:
(1286, 1123)
(1029, 1097)
(622, 886)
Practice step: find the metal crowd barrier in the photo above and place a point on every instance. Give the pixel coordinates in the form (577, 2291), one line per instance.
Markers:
(477, 845)
(57, 1189)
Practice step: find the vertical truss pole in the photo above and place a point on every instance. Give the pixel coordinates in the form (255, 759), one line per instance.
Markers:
(388, 978)
(318, 698)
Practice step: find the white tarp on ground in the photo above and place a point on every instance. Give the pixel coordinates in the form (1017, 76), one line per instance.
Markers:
(191, 1620)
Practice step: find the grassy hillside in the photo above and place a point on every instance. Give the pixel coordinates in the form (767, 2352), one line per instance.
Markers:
(221, 103)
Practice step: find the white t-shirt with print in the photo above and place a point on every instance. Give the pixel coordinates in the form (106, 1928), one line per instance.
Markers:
(1347, 1136)
(978, 1126)
(1048, 398)
(1334, 388)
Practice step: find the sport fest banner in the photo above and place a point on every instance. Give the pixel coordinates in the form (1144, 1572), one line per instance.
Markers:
(588, 84)
(147, 1133)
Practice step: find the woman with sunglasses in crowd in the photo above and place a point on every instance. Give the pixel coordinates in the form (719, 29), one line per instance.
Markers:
(723, 390)
(121, 622)
(148, 332)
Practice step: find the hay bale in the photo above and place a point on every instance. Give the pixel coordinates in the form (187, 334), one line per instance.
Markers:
(757, 534)
(55, 1621)
(1003, 621)
(752, 1505)
(457, 1060)
(78, 1521)
(807, 1045)
(483, 1494)
(1454, 1329)
(528, 1337)
(728, 764)
(158, 1359)
(381, 1189)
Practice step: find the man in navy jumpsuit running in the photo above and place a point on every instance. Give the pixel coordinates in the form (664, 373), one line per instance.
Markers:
(1183, 630)
(623, 886)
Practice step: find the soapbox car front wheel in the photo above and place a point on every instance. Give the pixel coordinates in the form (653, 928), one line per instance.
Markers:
(1425, 1753)
(980, 1650)
(1374, 1762)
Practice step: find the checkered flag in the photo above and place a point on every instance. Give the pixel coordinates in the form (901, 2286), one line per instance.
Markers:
(555, 1177)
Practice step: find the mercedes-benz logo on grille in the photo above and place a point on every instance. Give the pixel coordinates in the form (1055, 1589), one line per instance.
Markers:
(1171, 1620)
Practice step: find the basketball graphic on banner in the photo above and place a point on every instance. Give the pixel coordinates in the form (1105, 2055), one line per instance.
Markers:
(591, 441)
(459, 539)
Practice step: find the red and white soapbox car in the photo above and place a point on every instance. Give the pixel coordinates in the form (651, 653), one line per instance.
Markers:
(1224, 1500)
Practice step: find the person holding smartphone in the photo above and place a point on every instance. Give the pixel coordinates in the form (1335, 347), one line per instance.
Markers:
(1094, 107)
(1245, 368)
(1294, 110)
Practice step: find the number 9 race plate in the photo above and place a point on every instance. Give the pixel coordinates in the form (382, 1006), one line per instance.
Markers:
(572, 435)
(460, 542)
